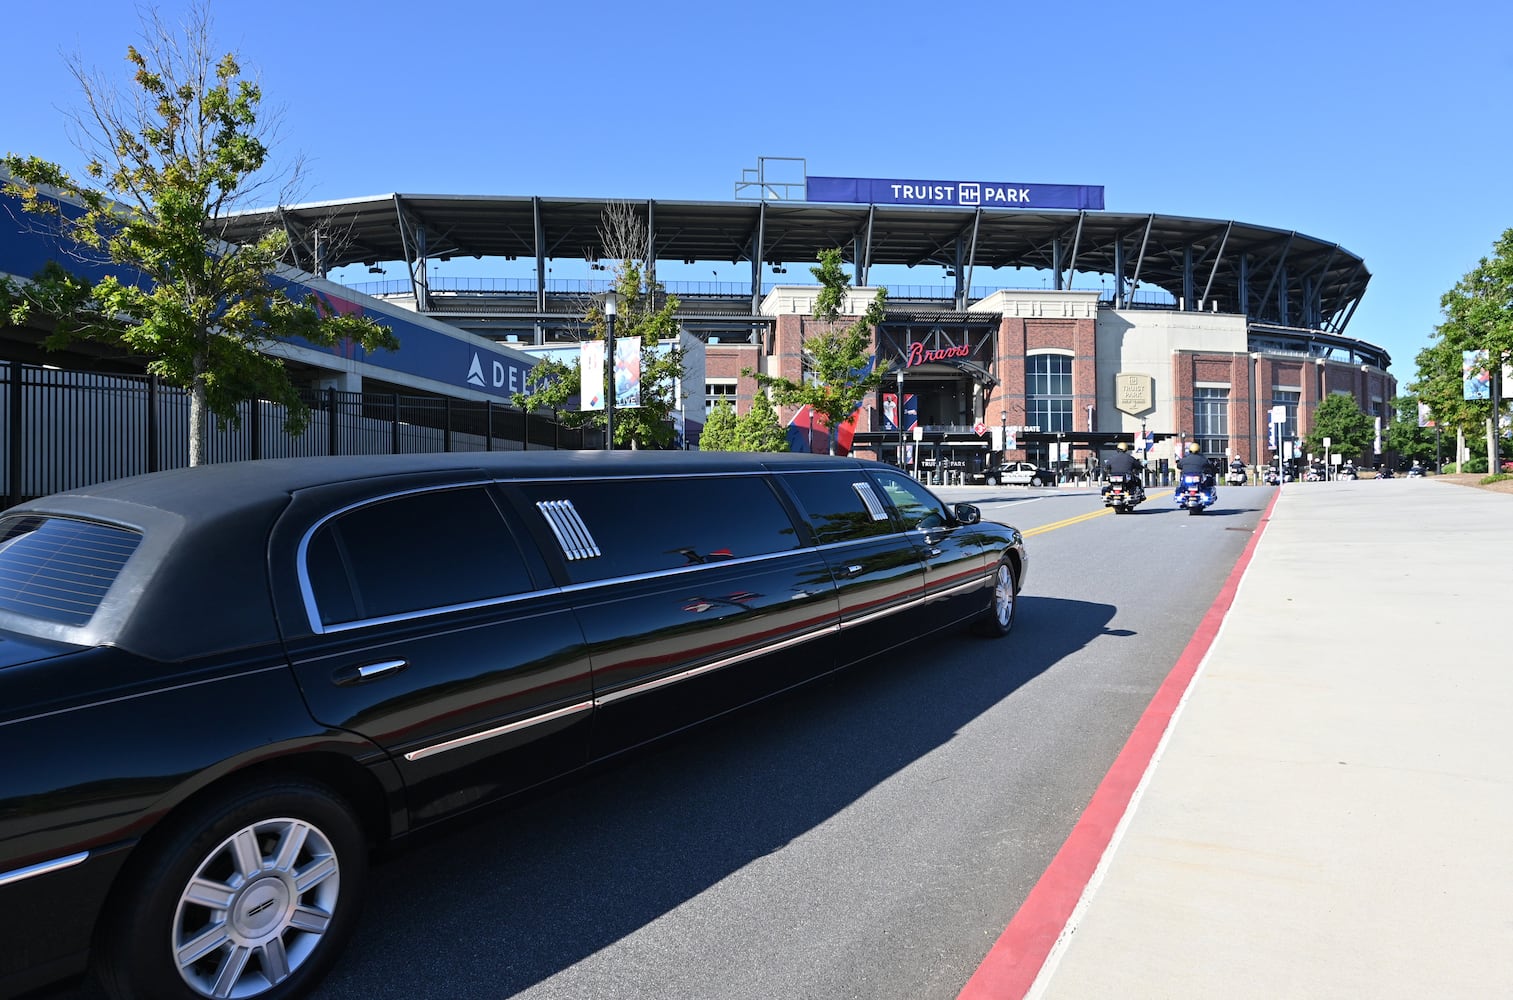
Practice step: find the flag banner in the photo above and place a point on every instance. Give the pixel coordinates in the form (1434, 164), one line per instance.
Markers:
(890, 411)
(1425, 416)
(1476, 375)
(627, 371)
(1376, 444)
(591, 372)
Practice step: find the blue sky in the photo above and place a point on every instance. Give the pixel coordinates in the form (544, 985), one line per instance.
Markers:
(1385, 131)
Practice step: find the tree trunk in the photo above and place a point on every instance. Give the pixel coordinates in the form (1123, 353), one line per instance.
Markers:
(198, 415)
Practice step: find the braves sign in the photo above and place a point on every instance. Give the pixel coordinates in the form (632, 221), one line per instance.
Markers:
(919, 354)
(960, 194)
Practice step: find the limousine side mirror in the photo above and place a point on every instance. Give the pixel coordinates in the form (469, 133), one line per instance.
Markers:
(966, 513)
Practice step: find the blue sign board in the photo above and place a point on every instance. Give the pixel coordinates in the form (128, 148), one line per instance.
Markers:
(956, 194)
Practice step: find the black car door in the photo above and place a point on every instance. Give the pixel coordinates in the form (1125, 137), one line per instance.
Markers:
(879, 572)
(696, 594)
(957, 572)
(422, 625)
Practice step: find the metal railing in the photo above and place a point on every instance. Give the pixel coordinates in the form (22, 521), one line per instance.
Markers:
(67, 429)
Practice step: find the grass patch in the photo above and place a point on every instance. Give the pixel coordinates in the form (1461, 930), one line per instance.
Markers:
(1498, 478)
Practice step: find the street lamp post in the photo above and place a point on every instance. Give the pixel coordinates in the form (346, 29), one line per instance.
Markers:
(609, 369)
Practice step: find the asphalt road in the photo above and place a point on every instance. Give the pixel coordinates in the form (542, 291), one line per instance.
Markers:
(868, 836)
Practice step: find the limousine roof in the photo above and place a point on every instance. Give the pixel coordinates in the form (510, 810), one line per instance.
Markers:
(215, 490)
(206, 529)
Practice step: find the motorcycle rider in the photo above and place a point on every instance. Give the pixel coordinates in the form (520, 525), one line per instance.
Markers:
(1124, 468)
(1194, 464)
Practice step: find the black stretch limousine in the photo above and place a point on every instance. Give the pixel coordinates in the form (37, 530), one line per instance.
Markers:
(220, 687)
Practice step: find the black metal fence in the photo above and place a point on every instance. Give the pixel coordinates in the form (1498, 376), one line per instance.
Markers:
(65, 429)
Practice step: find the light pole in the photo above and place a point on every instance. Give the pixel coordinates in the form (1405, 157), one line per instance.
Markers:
(609, 369)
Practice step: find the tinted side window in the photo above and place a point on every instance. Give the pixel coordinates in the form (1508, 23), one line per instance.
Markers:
(836, 505)
(652, 525)
(413, 553)
(58, 570)
(917, 506)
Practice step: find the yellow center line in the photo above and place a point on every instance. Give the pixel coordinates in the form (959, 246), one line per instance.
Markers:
(1062, 524)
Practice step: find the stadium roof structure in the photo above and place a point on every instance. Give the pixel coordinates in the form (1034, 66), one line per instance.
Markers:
(1274, 276)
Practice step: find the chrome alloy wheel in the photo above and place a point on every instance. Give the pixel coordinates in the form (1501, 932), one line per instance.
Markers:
(1003, 597)
(256, 908)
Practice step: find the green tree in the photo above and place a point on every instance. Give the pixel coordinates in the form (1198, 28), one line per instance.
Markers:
(1405, 438)
(839, 369)
(1478, 316)
(644, 311)
(1350, 432)
(758, 428)
(166, 163)
(719, 432)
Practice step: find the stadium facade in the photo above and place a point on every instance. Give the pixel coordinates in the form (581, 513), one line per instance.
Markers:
(1180, 329)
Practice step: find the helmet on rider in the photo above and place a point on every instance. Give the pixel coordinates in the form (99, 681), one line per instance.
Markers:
(1192, 446)
(1122, 446)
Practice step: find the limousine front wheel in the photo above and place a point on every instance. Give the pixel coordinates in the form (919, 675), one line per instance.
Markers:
(999, 618)
(251, 896)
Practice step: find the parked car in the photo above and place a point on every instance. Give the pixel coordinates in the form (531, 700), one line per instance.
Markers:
(220, 686)
(1020, 474)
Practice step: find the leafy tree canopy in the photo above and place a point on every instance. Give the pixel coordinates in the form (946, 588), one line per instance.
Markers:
(1478, 316)
(165, 165)
(1351, 433)
(1405, 437)
(758, 428)
(839, 368)
(647, 314)
(719, 432)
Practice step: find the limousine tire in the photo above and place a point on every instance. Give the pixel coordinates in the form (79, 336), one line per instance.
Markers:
(194, 922)
(998, 620)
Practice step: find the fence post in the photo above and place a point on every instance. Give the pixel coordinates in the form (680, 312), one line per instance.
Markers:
(394, 432)
(446, 434)
(331, 437)
(488, 431)
(154, 460)
(255, 422)
(16, 437)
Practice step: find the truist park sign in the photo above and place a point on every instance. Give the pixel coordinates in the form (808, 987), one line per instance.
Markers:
(958, 194)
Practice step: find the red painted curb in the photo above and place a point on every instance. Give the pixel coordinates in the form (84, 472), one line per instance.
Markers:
(1016, 958)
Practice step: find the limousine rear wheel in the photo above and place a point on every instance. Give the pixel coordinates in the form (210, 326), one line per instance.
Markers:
(251, 896)
(998, 620)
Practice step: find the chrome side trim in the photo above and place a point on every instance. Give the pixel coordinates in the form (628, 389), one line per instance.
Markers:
(489, 734)
(729, 661)
(869, 498)
(567, 525)
(43, 868)
(302, 551)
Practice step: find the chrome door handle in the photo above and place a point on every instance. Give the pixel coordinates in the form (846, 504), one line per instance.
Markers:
(368, 671)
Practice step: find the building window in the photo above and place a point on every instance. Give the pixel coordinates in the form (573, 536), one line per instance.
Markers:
(1048, 392)
(1211, 421)
(1290, 399)
(716, 391)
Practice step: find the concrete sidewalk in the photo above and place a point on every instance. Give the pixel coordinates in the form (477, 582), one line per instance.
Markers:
(1331, 814)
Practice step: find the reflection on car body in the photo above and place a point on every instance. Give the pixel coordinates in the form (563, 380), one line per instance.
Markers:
(227, 682)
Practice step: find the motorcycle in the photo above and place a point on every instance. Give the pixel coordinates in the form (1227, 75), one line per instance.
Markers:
(1123, 495)
(1348, 473)
(1272, 478)
(1417, 472)
(1236, 474)
(1194, 494)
